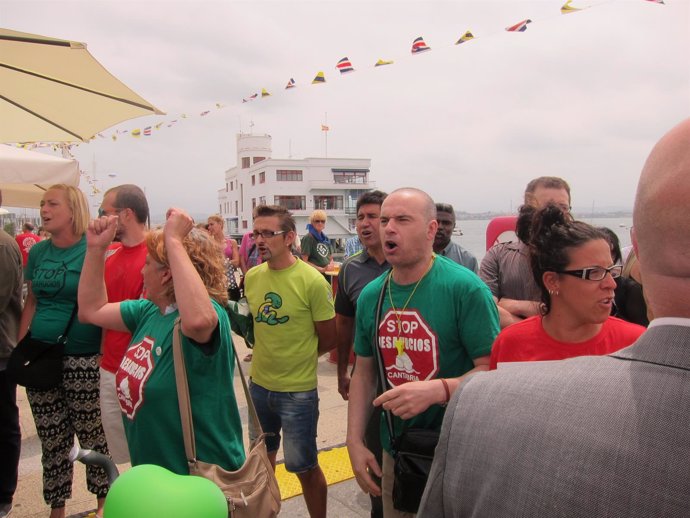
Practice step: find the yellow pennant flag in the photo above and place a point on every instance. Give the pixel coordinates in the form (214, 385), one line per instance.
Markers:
(320, 78)
(136, 133)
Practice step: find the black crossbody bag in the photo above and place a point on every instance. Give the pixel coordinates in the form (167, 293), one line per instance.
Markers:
(36, 364)
(413, 450)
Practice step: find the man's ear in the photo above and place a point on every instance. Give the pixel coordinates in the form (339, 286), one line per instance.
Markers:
(432, 228)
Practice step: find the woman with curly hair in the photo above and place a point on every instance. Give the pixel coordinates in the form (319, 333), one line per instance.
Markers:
(184, 277)
(572, 265)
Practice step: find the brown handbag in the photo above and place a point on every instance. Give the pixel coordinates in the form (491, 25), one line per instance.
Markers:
(251, 491)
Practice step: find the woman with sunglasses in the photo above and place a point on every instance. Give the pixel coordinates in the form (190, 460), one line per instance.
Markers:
(317, 249)
(572, 265)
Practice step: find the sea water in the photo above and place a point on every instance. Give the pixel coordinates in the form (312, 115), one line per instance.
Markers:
(474, 232)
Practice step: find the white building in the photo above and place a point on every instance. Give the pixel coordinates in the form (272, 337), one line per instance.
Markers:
(300, 185)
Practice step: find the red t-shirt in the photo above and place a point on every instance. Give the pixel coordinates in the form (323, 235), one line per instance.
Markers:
(25, 242)
(527, 341)
(123, 281)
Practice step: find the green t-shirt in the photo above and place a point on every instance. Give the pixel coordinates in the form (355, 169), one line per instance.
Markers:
(147, 392)
(450, 320)
(318, 253)
(54, 274)
(285, 304)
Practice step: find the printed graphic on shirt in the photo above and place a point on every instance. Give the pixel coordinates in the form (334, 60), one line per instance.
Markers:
(409, 347)
(267, 311)
(49, 278)
(322, 249)
(27, 243)
(135, 369)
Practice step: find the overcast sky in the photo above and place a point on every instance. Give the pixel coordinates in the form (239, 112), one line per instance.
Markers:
(583, 96)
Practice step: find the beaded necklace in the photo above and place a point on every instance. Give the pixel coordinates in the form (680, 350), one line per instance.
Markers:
(398, 342)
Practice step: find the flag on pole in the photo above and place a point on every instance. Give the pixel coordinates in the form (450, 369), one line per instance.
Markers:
(320, 78)
(466, 37)
(325, 128)
(344, 66)
(519, 27)
(291, 84)
(419, 46)
(382, 62)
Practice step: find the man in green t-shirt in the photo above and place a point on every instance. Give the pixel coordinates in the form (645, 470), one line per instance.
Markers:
(294, 323)
(437, 323)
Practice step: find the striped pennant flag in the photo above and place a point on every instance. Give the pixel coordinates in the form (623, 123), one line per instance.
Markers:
(291, 84)
(419, 46)
(519, 27)
(344, 66)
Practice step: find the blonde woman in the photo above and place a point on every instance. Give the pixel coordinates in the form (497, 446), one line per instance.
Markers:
(72, 407)
(230, 252)
(317, 249)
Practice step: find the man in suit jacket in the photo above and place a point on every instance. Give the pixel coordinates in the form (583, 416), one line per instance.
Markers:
(592, 436)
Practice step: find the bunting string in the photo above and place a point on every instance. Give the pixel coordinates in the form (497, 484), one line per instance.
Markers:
(344, 67)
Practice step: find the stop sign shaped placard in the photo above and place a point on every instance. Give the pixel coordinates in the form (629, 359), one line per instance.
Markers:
(409, 347)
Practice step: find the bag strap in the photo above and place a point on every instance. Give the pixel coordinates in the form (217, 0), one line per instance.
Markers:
(183, 396)
(378, 356)
(62, 339)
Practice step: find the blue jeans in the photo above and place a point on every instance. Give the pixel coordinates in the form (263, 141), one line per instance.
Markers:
(297, 414)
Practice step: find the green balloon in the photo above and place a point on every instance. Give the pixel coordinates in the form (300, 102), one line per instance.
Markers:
(149, 491)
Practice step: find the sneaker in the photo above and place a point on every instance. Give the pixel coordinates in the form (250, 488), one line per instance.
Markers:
(5, 510)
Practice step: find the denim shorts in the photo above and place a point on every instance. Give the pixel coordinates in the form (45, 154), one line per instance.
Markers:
(297, 414)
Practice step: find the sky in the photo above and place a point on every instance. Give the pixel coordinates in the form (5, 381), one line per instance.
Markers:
(583, 96)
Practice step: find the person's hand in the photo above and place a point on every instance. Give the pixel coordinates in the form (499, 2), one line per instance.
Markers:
(101, 232)
(412, 398)
(363, 464)
(177, 224)
(344, 385)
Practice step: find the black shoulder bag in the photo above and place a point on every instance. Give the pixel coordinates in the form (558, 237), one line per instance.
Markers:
(413, 450)
(36, 364)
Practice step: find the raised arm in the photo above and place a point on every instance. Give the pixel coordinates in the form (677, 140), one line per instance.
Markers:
(94, 307)
(198, 318)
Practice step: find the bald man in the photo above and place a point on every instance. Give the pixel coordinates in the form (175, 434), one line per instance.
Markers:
(591, 436)
(436, 324)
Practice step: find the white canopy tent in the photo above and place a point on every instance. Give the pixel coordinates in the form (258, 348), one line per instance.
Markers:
(26, 175)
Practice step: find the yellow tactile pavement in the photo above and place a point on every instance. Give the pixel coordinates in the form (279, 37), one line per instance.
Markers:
(334, 462)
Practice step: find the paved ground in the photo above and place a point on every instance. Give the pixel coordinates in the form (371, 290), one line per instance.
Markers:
(345, 499)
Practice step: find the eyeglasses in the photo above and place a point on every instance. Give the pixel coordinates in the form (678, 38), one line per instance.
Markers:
(596, 273)
(319, 221)
(267, 234)
(102, 212)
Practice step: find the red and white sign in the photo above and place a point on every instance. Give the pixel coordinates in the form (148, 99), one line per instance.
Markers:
(135, 369)
(411, 352)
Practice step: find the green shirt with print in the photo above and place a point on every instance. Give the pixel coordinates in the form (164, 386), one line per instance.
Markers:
(317, 253)
(147, 392)
(54, 274)
(449, 320)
